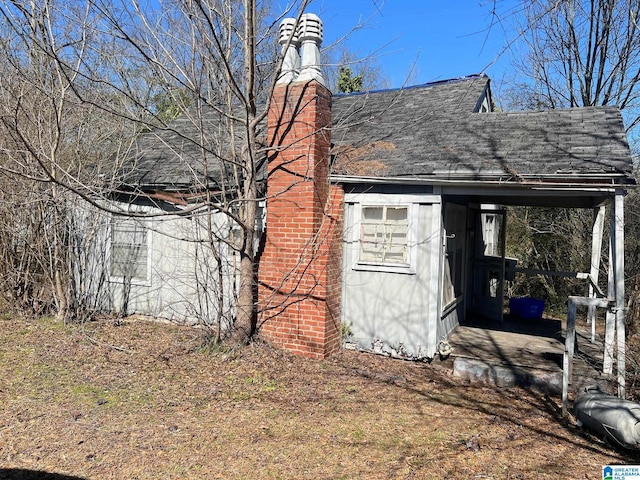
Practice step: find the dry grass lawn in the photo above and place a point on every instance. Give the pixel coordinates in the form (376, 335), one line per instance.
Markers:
(141, 400)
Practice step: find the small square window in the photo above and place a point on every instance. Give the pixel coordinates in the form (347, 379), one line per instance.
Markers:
(129, 249)
(384, 232)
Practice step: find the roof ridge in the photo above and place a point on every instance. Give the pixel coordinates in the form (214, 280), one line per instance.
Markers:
(434, 83)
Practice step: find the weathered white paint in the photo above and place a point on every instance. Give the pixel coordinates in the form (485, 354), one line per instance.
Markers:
(567, 358)
(183, 285)
(435, 233)
(619, 281)
(610, 323)
(570, 341)
(388, 311)
(450, 319)
(596, 254)
(615, 318)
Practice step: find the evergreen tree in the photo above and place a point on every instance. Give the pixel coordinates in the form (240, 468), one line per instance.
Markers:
(347, 82)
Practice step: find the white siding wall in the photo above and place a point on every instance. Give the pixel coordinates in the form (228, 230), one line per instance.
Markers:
(183, 273)
(389, 311)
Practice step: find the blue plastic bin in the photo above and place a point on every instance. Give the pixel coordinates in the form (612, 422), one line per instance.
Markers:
(526, 307)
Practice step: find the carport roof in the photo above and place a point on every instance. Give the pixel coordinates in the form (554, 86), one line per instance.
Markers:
(402, 134)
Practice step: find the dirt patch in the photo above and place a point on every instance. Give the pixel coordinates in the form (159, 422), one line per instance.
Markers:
(140, 400)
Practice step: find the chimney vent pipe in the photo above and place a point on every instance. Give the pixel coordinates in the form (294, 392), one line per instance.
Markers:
(289, 44)
(309, 33)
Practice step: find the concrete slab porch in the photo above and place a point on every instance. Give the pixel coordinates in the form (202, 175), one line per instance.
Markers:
(524, 352)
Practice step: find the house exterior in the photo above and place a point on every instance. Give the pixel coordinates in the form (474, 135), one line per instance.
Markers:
(411, 298)
(441, 163)
(160, 246)
(417, 182)
(384, 210)
(149, 258)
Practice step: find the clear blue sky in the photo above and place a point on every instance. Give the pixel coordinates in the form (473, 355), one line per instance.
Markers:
(439, 39)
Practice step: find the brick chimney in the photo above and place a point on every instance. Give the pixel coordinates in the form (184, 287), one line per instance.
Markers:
(300, 267)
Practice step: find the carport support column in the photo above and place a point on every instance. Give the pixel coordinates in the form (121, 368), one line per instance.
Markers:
(610, 317)
(615, 323)
(618, 251)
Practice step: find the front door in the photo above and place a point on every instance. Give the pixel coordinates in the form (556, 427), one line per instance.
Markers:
(488, 263)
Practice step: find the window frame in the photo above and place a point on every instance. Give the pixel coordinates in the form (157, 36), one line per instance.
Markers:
(148, 238)
(454, 263)
(387, 245)
(389, 201)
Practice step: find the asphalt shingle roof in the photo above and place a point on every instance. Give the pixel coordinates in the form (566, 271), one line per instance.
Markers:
(184, 156)
(432, 131)
(410, 136)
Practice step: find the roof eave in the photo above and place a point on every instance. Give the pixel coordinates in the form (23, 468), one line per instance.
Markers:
(552, 181)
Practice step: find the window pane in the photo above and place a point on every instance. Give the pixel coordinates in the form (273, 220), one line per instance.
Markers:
(368, 254)
(372, 213)
(396, 214)
(396, 253)
(129, 249)
(398, 235)
(383, 235)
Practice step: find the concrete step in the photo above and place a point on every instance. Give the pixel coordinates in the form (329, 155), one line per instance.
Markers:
(476, 370)
(504, 376)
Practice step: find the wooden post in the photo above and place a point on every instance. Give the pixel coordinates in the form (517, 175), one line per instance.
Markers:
(610, 324)
(596, 254)
(569, 347)
(436, 266)
(570, 340)
(503, 254)
(618, 217)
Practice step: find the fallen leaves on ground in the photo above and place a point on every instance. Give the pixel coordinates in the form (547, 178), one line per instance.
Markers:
(142, 400)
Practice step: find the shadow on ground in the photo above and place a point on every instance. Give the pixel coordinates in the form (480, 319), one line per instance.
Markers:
(22, 474)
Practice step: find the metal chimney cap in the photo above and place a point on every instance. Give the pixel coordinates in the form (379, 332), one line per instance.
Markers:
(287, 31)
(310, 28)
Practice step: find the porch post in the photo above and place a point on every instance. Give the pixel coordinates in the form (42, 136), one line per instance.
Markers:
(618, 217)
(610, 325)
(596, 254)
(569, 350)
(503, 255)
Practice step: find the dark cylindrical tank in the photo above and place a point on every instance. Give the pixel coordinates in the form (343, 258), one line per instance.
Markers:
(615, 419)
